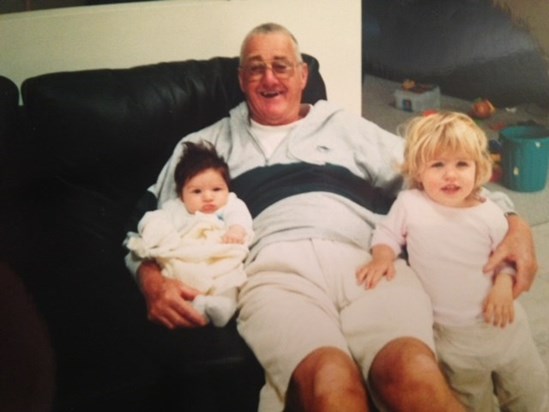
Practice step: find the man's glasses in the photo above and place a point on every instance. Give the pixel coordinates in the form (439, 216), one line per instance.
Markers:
(256, 70)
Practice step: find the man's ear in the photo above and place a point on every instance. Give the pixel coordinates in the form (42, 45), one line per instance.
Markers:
(304, 75)
(241, 80)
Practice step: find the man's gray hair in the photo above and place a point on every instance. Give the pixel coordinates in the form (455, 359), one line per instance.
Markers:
(270, 28)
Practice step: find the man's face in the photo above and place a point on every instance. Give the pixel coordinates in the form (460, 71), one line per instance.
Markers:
(272, 79)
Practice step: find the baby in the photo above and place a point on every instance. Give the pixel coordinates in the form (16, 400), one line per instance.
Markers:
(202, 237)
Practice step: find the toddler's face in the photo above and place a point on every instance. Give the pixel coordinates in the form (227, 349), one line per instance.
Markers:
(449, 179)
(206, 192)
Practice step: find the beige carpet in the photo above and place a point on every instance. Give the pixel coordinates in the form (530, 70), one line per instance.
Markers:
(536, 302)
(378, 106)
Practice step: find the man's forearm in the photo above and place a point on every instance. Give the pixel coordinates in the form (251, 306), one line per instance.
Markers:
(149, 277)
(522, 252)
(518, 227)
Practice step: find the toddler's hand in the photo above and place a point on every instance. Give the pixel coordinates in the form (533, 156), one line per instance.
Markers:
(370, 274)
(499, 309)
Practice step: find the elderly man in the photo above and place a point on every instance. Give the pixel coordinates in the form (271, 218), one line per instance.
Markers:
(315, 177)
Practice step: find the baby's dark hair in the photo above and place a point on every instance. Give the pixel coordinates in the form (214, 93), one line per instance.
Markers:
(196, 158)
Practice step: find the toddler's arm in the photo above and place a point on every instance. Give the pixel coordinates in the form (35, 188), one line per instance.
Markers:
(382, 263)
(499, 308)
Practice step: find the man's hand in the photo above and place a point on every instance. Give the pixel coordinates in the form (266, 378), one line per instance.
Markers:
(168, 300)
(518, 249)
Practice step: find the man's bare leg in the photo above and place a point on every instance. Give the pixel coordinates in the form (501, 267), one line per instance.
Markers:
(327, 380)
(406, 377)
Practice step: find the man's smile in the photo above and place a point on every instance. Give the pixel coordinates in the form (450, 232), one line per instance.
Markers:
(270, 94)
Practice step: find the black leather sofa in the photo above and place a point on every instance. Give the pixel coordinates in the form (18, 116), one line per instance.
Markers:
(77, 155)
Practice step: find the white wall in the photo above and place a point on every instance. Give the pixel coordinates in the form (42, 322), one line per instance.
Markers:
(125, 35)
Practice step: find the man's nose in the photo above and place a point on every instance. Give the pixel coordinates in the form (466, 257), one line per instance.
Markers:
(269, 75)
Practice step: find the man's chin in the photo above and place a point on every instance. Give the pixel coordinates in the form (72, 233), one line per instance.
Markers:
(271, 118)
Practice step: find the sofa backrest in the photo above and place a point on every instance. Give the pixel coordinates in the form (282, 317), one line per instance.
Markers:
(113, 129)
(96, 139)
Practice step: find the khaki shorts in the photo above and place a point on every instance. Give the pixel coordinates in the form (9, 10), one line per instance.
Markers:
(481, 360)
(303, 295)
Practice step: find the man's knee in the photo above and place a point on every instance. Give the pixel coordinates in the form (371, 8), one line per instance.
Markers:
(403, 362)
(323, 377)
(405, 376)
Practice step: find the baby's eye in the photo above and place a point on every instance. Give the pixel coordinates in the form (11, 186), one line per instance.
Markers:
(437, 164)
(464, 164)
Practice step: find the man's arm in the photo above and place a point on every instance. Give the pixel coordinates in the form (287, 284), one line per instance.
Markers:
(517, 248)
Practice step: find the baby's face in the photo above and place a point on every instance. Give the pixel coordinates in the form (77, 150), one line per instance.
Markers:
(206, 192)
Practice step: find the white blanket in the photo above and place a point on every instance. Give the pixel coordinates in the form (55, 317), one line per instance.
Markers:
(193, 254)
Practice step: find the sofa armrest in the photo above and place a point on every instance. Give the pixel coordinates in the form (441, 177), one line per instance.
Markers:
(9, 97)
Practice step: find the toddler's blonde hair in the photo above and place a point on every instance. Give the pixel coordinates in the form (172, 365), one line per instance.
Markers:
(444, 132)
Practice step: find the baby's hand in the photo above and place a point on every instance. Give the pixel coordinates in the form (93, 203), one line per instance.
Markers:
(235, 234)
(370, 274)
(499, 309)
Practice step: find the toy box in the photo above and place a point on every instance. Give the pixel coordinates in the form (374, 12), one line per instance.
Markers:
(419, 98)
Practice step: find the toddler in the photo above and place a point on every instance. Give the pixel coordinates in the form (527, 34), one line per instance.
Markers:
(482, 336)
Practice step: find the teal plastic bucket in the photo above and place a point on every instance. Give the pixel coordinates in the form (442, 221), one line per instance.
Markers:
(525, 157)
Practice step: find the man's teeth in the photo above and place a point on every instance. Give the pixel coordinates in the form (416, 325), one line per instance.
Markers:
(270, 94)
